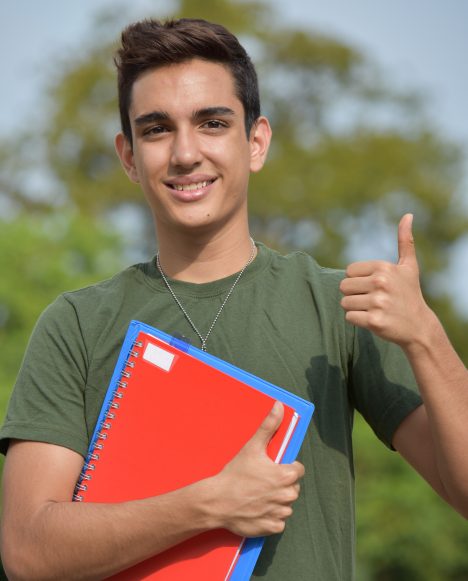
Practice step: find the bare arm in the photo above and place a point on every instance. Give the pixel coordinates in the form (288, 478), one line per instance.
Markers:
(386, 299)
(433, 439)
(46, 536)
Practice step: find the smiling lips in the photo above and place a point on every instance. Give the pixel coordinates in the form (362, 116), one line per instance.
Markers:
(190, 188)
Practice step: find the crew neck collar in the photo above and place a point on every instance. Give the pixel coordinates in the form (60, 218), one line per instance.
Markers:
(208, 289)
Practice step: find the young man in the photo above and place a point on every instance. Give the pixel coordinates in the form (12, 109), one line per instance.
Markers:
(191, 134)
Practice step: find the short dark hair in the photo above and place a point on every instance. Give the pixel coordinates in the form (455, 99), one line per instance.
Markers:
(150, 44)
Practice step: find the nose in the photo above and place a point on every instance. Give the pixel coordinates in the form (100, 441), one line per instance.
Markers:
(185, 149)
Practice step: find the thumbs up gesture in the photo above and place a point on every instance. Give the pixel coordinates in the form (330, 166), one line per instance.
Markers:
(386, 298)
(252, 495)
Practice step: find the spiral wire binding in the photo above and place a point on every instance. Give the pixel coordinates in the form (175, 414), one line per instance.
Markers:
(106, 424)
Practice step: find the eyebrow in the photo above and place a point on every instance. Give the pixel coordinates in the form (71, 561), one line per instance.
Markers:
(213, 112)
(158, 116)
(152, 117)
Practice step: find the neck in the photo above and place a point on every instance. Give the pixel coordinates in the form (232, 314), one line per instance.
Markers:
(204, 260)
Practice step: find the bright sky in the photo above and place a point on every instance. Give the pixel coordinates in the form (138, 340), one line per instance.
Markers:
(421, 43)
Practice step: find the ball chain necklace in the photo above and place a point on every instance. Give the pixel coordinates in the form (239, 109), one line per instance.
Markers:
(187, 316)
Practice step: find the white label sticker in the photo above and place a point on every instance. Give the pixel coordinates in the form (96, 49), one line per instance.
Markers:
(159, 357)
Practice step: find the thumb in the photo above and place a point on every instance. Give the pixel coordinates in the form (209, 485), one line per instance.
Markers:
(268, 427)
(406, 248)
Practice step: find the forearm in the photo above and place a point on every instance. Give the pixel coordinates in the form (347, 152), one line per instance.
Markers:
(45, 536)
(443, 382)
(78, 541)
(387, 299)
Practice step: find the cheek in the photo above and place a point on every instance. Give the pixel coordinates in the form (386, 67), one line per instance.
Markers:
(238, 169)
(216, 151)
(227, 150)
(148, 164)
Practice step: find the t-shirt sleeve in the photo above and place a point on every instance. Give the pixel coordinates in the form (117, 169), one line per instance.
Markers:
(383, 386)
(47, 403)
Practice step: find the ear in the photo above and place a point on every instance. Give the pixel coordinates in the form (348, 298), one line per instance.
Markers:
(260, 137)
(125, 152)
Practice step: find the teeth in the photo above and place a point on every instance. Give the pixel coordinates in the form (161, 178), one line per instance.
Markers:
(191, 187)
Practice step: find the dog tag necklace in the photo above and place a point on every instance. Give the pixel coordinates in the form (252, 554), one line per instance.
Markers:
(187, 316)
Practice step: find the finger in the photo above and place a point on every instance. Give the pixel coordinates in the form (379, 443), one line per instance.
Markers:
(356, 286)
(358, 318)
(365, 268)
(292, 473)
(269, 426)
(406, 248)
(299, 468)
(356, 302)
(297, 488)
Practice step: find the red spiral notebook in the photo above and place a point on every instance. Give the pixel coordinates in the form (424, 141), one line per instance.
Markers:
(173, 415)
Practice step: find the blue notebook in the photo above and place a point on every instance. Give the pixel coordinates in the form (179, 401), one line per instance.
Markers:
(172, 415)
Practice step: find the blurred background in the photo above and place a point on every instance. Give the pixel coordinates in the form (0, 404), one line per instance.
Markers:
(368, 107)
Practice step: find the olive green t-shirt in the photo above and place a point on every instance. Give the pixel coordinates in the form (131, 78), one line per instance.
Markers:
(284, 323)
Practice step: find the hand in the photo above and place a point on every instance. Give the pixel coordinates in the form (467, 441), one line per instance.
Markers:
(386, 298)
(252, 493)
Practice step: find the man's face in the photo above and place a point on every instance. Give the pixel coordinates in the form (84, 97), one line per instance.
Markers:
(190, 151)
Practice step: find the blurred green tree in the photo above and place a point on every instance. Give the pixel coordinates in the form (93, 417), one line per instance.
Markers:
(404, 531)
(350, 155)
(43, 256)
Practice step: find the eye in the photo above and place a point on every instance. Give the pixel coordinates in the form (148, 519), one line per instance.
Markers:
(155, 130)
(215, 124)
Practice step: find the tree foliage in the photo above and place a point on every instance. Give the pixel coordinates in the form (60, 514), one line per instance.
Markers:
(350, 155)
(44, 256)
(404, 531)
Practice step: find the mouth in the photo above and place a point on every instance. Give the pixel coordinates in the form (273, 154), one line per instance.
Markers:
(191, 187)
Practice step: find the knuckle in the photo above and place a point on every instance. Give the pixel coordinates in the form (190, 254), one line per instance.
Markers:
(380, 300)
(350, 317)
(288, 496)
(293, 473)
(380, 281)
(286, 512)
(278, 526)
(376, 321)
(287, 477)
(293, 494)
(385, 267)
(298, 467)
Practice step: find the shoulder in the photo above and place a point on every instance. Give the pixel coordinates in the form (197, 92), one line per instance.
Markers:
(84, 315)
(301, 262)
(300, 269)
(106, 290)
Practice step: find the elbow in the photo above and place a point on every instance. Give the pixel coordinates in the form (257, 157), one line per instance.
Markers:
(462, 508)
(458, 500)
(18, 570)
(15, 569)
(17, 560)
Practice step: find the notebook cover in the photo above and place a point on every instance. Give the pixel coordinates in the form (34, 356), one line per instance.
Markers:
(173, 415)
